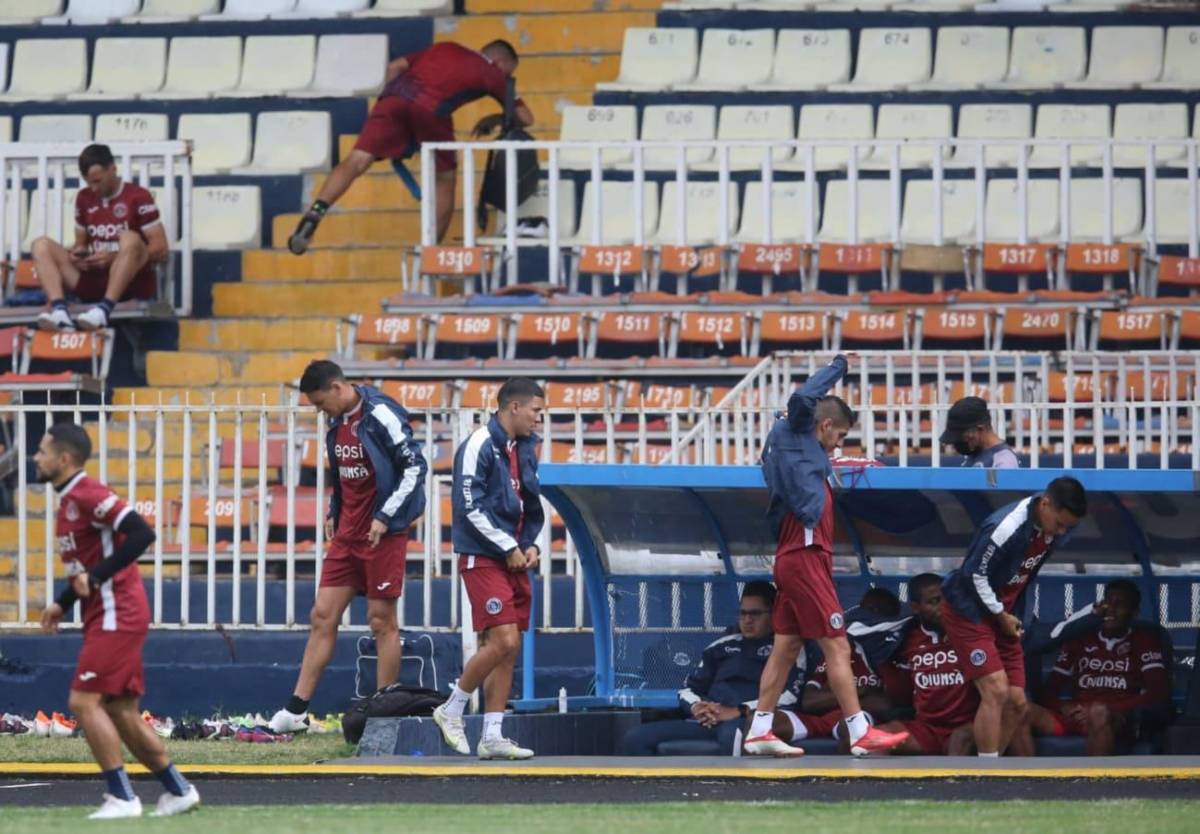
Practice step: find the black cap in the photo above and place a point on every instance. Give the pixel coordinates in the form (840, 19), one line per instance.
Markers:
(965, 414)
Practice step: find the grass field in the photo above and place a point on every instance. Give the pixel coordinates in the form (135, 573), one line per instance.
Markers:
(896, 817)
(303, 749)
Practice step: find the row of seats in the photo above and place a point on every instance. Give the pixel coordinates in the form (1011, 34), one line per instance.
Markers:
(840, 124)
(51, 12)
(44, 69)
(966, 57)
(284, 141)
(931, 6)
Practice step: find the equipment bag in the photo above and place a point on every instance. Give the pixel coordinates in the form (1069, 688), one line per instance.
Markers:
(493, 191)
(393, 701)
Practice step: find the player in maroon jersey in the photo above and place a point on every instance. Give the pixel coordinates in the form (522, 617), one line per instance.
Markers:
(100, 538)
(1107, 675)
(422, 92)
(119, 237)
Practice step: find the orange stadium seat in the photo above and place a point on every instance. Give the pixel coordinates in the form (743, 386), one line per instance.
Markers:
(620, 333)
(782, 330)
(405, 332)
(1083, 389)
(590, 453)
(875, 330)
(941, 327)
(1031, 328)
(414, 394)
(1130, 329)
(1001, 394)
(708, 333)
(655, 396)
(468, 332)
(1188, 334)
(1176, 271)
(1158, 386)
(548, 334)
(580, 395)
(12, 343)
(479, 393)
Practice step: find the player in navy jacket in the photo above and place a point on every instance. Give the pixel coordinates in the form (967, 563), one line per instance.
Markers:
(984, 598)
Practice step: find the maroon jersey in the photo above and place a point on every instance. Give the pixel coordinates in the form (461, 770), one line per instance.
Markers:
(940, 694)
(357, 479)
(1124, 672)
(132, 208)
(795, 536)
(864, 675)
(85, 528)
(1039, 546)
(446, 76)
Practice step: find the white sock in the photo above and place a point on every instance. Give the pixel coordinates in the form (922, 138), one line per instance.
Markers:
(761, 724)
(457, 702)
(995, 755)
(491, 725)
(857, 725)
(799, 731)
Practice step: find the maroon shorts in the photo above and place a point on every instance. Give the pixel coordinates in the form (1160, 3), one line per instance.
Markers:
(807, 604)
(395, 130)
(498, 597)
(377, 572)
(110, 662)
(934, 739)
(982, 649)
(1064, 725)
(93, 283)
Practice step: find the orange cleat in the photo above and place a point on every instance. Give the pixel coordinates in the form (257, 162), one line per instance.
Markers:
(770, 744)
(876, 740)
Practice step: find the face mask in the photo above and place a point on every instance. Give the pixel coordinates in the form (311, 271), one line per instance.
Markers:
(961, 447)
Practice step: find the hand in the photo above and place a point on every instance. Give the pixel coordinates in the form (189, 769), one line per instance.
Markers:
(329, 529)
(81, 585)
(851, 356)
(532, 558)
(1100, 609)
(515, 561)
(1010, 626)
(78, 256)
(51, 616)
(1075, 712)
(98, 260)
(377, 531)
(487, 125)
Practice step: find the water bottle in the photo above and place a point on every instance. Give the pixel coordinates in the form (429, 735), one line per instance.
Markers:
(562, 700)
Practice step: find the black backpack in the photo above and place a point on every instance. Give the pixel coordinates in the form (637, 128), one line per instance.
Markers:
(392, 701)
(493, 191)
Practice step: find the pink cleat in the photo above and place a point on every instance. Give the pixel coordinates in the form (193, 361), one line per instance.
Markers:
(876, 740)
(770, 744)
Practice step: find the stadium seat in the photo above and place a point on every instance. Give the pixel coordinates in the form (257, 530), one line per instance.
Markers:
(889, 59)
(220, 141)
(127, 67)
(173, 11)
(958, 212)
(6, 124)
(416, 394)
(616, 218)
(93, 12)
(703, 214)
(874, 221)
(790, 212)
(323, 8)
(407, 8)
(201, 67)
(3, 67)
(1001, 213)
(756, 124)
(349, 65)
(475, 332)
(1187, 334)
(708, 333)
(538, 206)
(654, 59)
(292, 141)
(64, 128)
(540, 334)
(47, 68)
(947, 328)
(597, 124)
(1037, 327)
(621, 334)
(861, 329)
(598, 395)
(968, 57)
(1070, 121)
(1046, 57)
(277, 64)
(251, 9)
(809, 59)
(1087, 209)
(992, 121)
(393, 333)
(88, 352)
(825, 122)
(226, 217)
(1171, 215)
(911, 121)
(732, 59)
(1181, 61)
(17, 12)
(789, 330)
(1130, 330)
(131, 127)
(1149, 121)
(676, 122)
(1123, 57)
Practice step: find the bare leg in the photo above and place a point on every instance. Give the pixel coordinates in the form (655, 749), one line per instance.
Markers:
(445, 202)
(138, 736)
(55, 272)
(841, 677)
(101, 733)
(1016, 713)
(341, 177)
(131, 257)
(993, 695)
(492, 666)
(381, 615)
(962, 742)
(775, 673)
(322, 637)
(1101, 731)
(909, 747)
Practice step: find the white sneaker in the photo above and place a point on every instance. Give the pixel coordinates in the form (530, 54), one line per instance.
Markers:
(502, 748)
(169, 804)
(287, 722)
(56, 319)
(92, 319)
(116, 809)
(452, 730)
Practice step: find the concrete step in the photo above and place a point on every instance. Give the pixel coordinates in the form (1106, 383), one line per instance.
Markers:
(376, 264)
(382, 190)
(545, 34)
(312, 334)
(250, 395)
(365, 228)
(165, 367)
(301, 299)
(565, 73)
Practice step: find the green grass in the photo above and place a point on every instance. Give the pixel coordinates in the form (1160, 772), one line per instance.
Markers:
(303, 749)
(893, 817)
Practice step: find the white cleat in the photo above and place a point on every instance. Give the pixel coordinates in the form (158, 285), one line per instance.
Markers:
(287, 722)
(452, 730)
(117, 809)
(92, 319)
(502, 748)
(170, 805)
(770, 745)
(55, 320)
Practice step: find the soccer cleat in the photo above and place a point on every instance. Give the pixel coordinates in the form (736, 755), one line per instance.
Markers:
(876, 740)
(13, 724)
(502, 748)
(770, 744)
(61, 726)
(305, 229)
(116, 809)
(41, 724)
(92, 319)
(169, 804)
(287, 722)
(452, 730)
(54, 320)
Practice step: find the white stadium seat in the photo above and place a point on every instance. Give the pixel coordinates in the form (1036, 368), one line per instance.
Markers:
(64, 128)
(200, 67)
(349, 65)
(874, 213)
(226, 217)
(992, 121)
(1171, 214)
(1046, 56)
(891, 58)
(702, 202)
(654, 59)
(968, 57)
(173, 11)
(1002, 212)
(731, 59)
(958, 212)
(36, 227)
(755, 124)
(131, 127)
(277, 64)
(6, 126)
(790, 212)
(1149, 121)
(1070, 121)
(834, 123)
(324, 8)
(84, 12)
(47, 68)
(597, 124)
(220, 141)
(296, 141)
(16, 12)
(809, 59)
(1124, 56)
(538, 205)
(677, 122)
(616, 214)
(3, 67)
(407, 8)
(251, 9)
(128, 67)
(1087, 209)
(1181, 62)
(911, 121)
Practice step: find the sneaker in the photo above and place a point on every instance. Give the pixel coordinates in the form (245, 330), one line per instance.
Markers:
(502, 748)
(61, 726)
(452, 730)
(302, 237)
(15, 725)
(333, 720)
(877, 741)
(55, 319)
(169, 804)
(163, 727)
(286, 722)
(770, 744)
(115, 809)
(41, 724)
(92, 319)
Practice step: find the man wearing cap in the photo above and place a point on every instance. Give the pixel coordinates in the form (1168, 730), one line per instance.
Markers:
(969, 430)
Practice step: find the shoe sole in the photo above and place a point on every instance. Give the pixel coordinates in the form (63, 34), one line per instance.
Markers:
(51, 327)
(862, 752)
(772, 754)
(186, 810)
(446, 737)
(297, 245)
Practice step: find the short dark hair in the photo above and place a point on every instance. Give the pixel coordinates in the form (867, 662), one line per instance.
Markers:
(1129, 587)
(1068, 494)
(760, 588)
(319, 375)
(519, 389)
(882, 601)
(72, 439)
(835, 408)
(918, 584)
(505, 47)
(95, 155)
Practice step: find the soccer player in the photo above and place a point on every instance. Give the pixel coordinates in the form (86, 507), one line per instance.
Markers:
(100, 538)
(1108, 674)
(497, 516)
(984, 600)
(422, 92)
(969, 430)
(378, 476)
(796, 468)
(119, 237)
